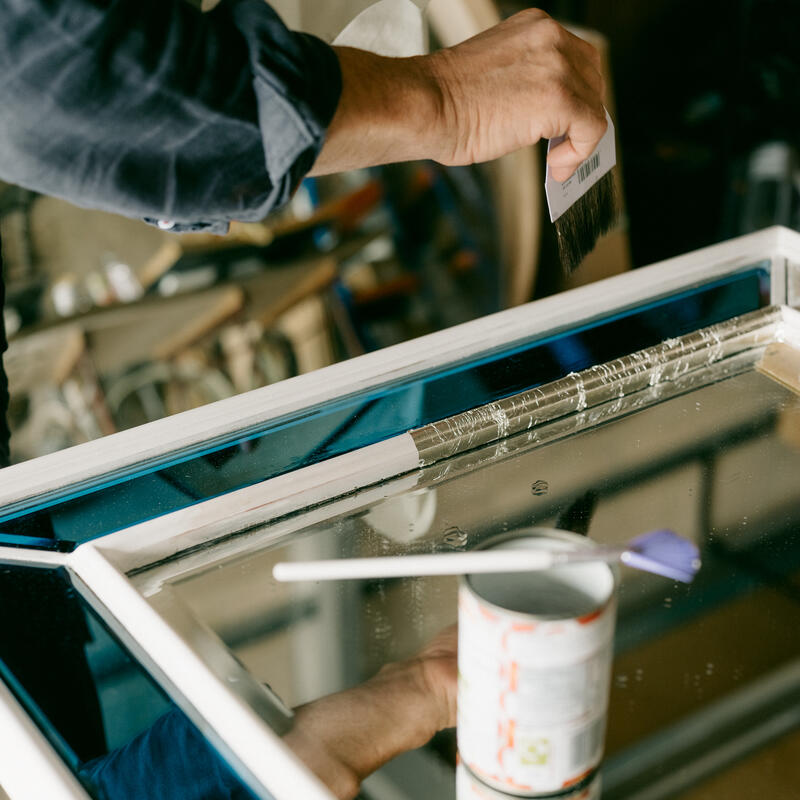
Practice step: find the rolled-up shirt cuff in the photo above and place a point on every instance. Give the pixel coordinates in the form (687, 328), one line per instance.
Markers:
(218, 228)
(298, 83)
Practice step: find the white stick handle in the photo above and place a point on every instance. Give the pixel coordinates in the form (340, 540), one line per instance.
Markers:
(433, 564)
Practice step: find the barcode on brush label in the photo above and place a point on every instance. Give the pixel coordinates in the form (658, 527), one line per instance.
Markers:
(560, 196)
(588, 167)
(586, 744)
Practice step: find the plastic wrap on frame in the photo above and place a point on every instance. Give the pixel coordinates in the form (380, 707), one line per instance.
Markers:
(672, 361)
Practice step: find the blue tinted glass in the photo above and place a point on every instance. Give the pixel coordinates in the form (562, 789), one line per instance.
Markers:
(249, 456)
(97, 706)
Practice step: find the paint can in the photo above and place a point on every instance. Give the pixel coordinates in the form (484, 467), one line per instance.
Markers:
(534, 662)
(468, 787)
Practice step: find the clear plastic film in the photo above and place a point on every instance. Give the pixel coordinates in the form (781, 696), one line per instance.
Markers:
(617, 382)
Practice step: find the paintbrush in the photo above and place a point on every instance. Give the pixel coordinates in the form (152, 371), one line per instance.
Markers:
(662, 552)
(584, 206)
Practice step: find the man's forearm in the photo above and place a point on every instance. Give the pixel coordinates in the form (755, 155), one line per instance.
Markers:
(346, 736)
(525, 79)
(388, 112)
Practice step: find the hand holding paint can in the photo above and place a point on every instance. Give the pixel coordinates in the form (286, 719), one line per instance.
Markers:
(534, 658)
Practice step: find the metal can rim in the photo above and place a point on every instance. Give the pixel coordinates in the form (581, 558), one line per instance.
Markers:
(592, 780)
(551, 533)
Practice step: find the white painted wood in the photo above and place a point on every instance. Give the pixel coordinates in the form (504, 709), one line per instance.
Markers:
(790, 329)
(31, 558)
(229, 723)
(235, 511)
(151, 580)
(83, 463)
(30, 769)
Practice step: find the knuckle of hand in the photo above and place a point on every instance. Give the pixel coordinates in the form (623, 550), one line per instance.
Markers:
(552, 30)
(532, 14)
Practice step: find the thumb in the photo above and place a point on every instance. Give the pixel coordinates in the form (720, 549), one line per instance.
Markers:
(564, 159)
(580, 143)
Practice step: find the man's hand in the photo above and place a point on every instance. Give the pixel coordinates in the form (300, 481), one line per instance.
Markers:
(522, 80)
(346, 736)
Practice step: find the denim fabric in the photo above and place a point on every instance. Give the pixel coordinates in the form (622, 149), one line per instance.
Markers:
(150, 109)
(169, 761)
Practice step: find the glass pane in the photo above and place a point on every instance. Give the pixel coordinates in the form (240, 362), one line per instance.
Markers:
(694, 665)
(249, 456)
(106, 717)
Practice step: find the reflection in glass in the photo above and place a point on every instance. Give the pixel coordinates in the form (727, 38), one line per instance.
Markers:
(694, 665)
(104, 715)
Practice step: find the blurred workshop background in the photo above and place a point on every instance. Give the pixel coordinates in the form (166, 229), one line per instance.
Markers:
(113, 322)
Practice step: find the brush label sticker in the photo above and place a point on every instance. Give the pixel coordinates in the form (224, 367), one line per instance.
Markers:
(560, 196)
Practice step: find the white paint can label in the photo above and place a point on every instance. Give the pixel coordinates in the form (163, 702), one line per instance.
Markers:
(534, 656)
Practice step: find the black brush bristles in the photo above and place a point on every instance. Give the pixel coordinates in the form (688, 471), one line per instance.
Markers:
(585, 221)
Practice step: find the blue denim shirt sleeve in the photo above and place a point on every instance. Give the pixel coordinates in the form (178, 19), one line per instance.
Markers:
(169, 761)
(150, 109)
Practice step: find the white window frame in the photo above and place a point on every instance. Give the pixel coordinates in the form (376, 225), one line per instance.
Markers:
(102, 568)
